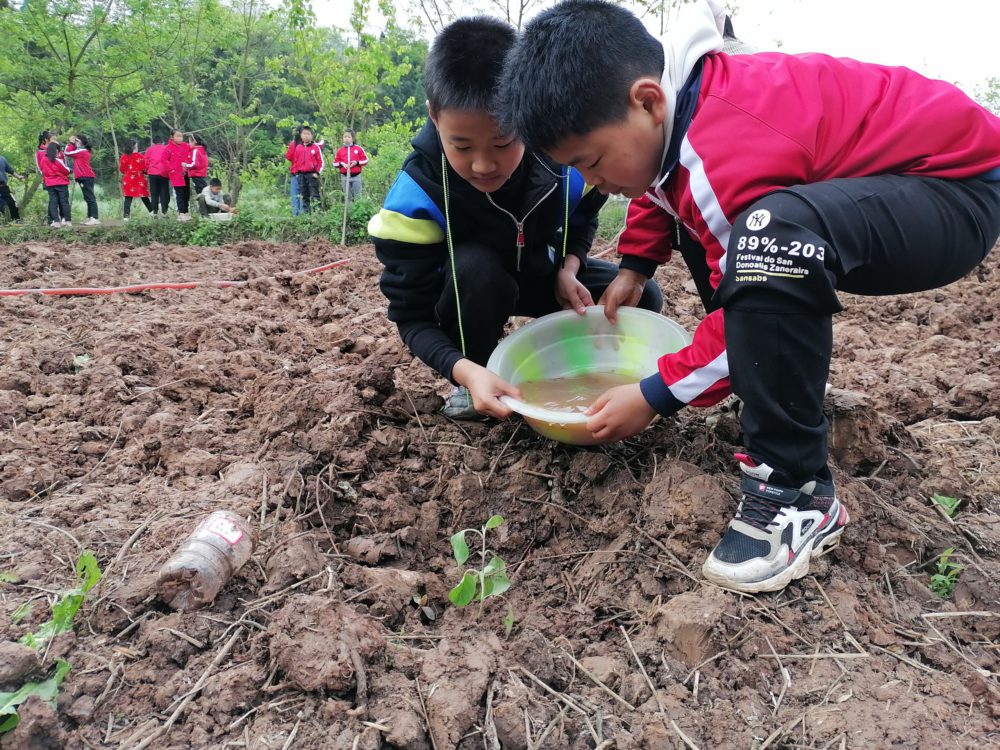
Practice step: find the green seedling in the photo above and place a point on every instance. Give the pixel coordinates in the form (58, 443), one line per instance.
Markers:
(47, 690)
(944, 580)
(948, 504)
(489, 580)
(63, 611)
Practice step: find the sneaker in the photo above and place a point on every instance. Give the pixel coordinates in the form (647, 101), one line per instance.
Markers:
(56, 225)
(775, 533)
(183, 217)
(459, 405)
(92, 221)
(124, 218)
(66, 223)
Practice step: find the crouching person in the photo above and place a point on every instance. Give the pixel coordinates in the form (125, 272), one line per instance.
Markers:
(212, 200)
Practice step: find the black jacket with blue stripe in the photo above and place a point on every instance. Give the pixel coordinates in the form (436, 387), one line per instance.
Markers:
(409, 234)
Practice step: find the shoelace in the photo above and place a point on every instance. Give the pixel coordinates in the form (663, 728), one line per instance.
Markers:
(758, 511)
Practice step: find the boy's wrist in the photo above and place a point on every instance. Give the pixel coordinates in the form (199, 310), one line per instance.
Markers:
(571, 264)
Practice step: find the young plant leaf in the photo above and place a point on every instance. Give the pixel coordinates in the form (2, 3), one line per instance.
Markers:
(465, 591)
(460, 548)
(47, 690)
(6, 577)
(494, 566)
(508, 622)
(493, 522)
(500, 583)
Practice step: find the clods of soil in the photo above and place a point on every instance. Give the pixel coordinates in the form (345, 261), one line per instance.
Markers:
(291, 401)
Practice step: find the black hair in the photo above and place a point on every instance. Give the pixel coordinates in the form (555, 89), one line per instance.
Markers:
(464, 64)
(176, 130)
(84, 141)
(215, 182)
(571, 70)
(353, 136)
(52, 151)
(200, 141)
(43, 137)
(130, 145)
(158, 140)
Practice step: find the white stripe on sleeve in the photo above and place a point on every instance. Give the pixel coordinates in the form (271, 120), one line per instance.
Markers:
(698, 381)
(705, 198)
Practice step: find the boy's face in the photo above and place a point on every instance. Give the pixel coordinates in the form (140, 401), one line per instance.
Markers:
(474, 147)
(623, 157)
(216, 189)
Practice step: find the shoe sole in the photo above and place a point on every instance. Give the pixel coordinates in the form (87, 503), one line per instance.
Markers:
(798, 569)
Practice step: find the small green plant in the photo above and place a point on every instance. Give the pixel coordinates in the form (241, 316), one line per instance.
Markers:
(944, 580)
(948, 504)
(63, 611)
(489, 580)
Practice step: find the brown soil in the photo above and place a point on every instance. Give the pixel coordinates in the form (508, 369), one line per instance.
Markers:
(292, 401)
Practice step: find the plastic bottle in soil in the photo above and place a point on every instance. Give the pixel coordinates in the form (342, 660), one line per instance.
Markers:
(216, 549)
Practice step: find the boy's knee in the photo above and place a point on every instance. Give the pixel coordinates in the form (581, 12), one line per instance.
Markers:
(778, 259)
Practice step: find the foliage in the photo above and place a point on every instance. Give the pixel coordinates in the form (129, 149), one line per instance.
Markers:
(46, 690)
(989, 95)
(63, 612)
(948, 504)
(68, 603)
(944, 580)
(488, 581)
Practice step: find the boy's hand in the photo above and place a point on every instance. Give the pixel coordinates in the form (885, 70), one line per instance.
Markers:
(625, 290)
(485, 387)
(569, 292)
(619, 413)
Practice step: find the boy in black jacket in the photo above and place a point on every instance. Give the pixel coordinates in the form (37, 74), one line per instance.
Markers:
(472, 216)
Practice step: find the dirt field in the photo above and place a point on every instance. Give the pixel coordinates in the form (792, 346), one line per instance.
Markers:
(292, 402)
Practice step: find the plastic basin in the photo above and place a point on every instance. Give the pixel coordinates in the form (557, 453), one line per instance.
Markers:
(567, 344)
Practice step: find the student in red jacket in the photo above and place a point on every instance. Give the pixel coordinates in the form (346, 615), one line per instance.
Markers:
(307, 164)
(179, 154)
(800, 176)
(350, 160)
(55, 177)
(78, 148)
(132, 165)
(197, 165)
(159, 176)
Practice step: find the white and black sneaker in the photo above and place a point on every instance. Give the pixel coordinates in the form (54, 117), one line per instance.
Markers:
(775, 532)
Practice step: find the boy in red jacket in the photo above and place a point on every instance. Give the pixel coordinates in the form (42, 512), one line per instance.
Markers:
(350, 160)
(800, 175)
(307, 164)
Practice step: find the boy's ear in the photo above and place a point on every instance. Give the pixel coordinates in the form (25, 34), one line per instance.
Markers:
(430, 113)
(649, 95)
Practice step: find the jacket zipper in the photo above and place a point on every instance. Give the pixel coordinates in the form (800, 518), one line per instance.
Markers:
(520, 224)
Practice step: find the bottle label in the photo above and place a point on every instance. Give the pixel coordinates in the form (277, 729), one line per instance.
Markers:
(226, 529)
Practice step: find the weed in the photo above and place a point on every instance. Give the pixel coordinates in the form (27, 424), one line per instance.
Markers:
(489, 580)
(944, 580)
(63, 611)
(948, 504)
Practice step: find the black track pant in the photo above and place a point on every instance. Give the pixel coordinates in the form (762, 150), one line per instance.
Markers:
(58, 202)
(791, 252)
(87, 188)
(182, 194)
(491, 293)
(7, 199)
(128, 205)
(159, 193)
(309, 190)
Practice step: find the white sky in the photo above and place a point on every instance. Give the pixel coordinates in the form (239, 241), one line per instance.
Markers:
(951, 39)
